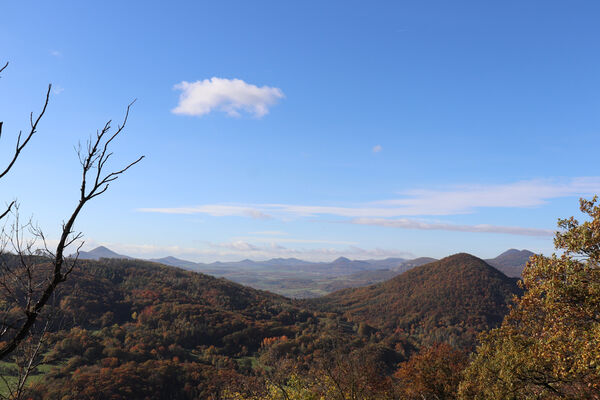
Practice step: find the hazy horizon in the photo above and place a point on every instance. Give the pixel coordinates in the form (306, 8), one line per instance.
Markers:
(407, 256)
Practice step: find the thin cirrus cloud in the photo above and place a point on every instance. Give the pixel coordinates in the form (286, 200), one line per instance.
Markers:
(452, 201)
(405, 223)
(455, 200)
(268, 233)
(467, 198)
(215, 210)
(231, 96)
(260, 239)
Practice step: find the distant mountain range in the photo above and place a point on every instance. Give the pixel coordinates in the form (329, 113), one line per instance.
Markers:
(298, 278)
(341, 265)
(274, 262)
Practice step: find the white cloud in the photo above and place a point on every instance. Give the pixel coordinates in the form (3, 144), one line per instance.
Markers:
(467, 198)
(231, 96)
(269, 233)
(294, 240)
(405, 223)
(451, 201)
(377, 148)
(55, 53)
(216, 210)
(238, 245)
(56, 89)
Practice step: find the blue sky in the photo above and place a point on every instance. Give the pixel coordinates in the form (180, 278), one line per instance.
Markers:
(309, 129)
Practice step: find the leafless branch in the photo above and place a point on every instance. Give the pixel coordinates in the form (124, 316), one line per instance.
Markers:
(5, 213)
(30, 361)
(21, 144)
(94, 181)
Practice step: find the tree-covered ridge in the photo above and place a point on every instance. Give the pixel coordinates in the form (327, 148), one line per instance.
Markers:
(135, 329)
(102, 293)
(449, 300)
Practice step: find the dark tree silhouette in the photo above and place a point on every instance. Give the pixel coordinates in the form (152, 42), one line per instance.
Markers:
(21, 143)
(27, 284)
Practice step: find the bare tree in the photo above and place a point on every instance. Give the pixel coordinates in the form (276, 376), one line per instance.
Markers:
(27, 284)
(21, 143)
(26, 359)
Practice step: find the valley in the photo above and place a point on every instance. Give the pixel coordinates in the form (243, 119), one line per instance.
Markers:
(298, 279)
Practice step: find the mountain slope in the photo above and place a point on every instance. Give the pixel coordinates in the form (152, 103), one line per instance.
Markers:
(511, 262)
(450, 299)
(175, 262)
(100, 252)
(133, 328)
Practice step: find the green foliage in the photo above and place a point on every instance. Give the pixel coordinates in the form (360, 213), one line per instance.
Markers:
(549, 345)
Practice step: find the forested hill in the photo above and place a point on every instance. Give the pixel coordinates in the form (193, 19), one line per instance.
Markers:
(203, 308)
(131, 326)
(136, 329)
(447, 300)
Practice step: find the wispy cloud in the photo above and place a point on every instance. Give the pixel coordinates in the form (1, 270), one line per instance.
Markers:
(377, 148)
(405, 223)
(467, 198)
(269, 233)
(238, 245)
(418, 202)
(454, 200)
(55, 53)
(215, 210)
(56, 89)
(232, 96)
(295, 240)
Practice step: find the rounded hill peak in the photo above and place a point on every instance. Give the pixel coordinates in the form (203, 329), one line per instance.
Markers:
(341, 260)
(450, 299)
(461, 257)
(102, 248)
